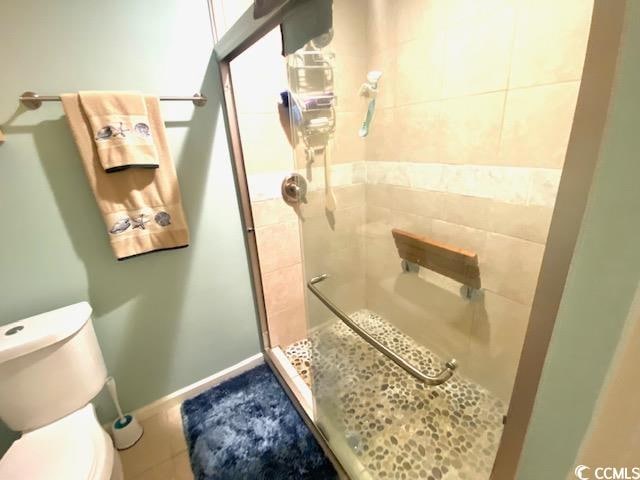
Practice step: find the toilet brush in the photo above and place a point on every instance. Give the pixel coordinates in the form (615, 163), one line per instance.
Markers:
(126, 430)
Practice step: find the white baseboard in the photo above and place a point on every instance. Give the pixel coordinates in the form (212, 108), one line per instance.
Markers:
(198, 387)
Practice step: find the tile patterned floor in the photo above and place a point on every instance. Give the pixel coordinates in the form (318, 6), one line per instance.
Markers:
(161, 453)
(398, 427)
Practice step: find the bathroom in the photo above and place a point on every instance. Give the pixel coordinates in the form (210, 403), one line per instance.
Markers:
(497, 134)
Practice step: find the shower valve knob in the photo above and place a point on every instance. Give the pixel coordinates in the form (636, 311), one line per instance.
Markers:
(294, 189)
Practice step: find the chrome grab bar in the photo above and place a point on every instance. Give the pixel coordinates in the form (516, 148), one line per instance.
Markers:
(441, 377)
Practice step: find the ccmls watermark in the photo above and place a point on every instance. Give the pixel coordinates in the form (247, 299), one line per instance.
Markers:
(583, 472)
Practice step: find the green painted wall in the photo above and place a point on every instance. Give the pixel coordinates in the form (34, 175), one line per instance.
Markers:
(163, 320)
(603, 278)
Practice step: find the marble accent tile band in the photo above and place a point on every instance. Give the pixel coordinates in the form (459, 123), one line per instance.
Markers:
(513, 185)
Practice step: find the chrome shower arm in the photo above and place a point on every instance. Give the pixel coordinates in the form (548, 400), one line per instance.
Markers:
(445, 374)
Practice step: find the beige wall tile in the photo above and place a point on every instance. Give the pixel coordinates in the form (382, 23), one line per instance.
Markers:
(349, 146)
(419, 19)
(380, 144)
(382, 260)
(550, 41)
(418, 134)
(269, 212)
(265, 185)
(464, 210)
(352, 196)
(470, 128)
(381, 24)
(377, 196)
(322, 235)
(344, 265)
(384, 61)
(278, 246)
(409, 222)
(528, 222)
(347, 197)
(409, 20)
(537, 124)
(350, 72)
(377, 214)
(510, 267)
(478, 46)
(315, 206)
(350, 25)
(419, 69)
(497, 335)
(289, 325)
(460, 236)
(432, 316)
(282, 288)
(418, 202)
(348, 299)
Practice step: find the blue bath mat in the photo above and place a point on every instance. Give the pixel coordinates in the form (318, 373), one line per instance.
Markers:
(246, 428)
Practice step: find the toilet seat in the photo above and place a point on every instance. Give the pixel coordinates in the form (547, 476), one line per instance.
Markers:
(72, 448)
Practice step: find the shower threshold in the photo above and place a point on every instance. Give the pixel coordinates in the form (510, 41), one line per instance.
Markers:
(391, 424)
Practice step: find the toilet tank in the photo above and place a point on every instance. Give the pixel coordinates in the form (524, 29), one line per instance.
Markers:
(50, 365)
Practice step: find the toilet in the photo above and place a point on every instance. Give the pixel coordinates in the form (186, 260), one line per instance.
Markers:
(51, 367)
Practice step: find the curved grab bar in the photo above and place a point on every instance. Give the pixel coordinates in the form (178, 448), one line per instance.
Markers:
(441, 377)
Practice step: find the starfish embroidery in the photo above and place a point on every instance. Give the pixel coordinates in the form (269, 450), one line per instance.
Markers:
(140, 221)
(119, 131)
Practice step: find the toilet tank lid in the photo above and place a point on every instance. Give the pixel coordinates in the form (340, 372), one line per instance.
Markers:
(33, 333)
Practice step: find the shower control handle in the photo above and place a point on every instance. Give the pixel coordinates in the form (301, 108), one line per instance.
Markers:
(294, 189)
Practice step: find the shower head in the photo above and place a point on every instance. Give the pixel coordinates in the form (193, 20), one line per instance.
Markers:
(373, 77)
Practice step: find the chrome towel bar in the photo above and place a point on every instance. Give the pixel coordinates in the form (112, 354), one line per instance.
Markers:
(32, 100)
(441, 377)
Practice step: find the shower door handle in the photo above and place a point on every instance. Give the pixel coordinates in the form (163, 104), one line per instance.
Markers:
(438, 379)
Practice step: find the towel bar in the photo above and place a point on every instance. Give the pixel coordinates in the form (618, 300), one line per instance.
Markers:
(32, 100)
(442, 376)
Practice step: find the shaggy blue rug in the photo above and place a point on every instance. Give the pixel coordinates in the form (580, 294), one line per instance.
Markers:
(247, 428)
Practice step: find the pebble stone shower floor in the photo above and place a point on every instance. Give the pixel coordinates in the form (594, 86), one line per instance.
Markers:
(398, 427)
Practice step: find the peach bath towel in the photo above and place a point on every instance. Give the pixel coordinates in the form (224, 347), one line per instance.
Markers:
(121, 131)
(142, 208)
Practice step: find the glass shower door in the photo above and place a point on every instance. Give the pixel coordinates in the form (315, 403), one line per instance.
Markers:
(387, 330)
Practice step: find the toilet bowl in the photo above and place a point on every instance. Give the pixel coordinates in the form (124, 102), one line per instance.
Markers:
(74, 447)
(51, 367)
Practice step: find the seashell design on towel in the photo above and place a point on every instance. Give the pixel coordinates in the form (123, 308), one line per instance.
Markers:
(163, 219)
(104, 133)
(120, 226)
(142, 129)
(111, 131)
(119, 130)
(140, 221)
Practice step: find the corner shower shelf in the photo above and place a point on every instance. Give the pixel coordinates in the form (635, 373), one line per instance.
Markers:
(453, 262)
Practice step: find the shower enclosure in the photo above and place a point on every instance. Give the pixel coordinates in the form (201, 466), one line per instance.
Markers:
(401, 191)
